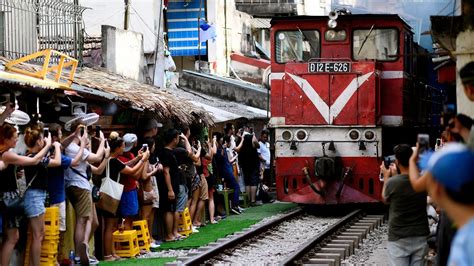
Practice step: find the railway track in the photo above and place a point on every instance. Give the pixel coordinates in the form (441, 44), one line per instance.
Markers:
(333, 240)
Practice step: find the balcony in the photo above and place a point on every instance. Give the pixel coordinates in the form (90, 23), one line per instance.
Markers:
(268, 8)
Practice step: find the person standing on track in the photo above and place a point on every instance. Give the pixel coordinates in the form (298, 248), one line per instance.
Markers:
(408, 220)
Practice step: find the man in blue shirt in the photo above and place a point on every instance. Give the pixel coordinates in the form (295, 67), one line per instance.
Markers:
(450, 182)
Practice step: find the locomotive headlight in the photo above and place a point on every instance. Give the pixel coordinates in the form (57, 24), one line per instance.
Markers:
(369, 135)
(287, 135)
(301, 135)
(332, 23)
(354, 134)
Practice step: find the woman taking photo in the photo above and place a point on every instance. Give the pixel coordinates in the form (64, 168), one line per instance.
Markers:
(117, 168)
(9, 189)
(37, 184)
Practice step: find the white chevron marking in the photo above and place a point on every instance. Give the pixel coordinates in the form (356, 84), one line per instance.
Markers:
(330, 113)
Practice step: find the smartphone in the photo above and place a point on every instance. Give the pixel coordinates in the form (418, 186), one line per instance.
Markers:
(145, 147)
(423, 143)
(12, 97)
(97, 131)
(105, 144)
(45, 132)
(388, 160)
(82, 131)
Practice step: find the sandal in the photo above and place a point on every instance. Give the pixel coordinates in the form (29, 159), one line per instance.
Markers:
(110, 258)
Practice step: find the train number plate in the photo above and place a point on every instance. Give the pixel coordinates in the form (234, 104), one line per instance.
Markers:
(335, 67)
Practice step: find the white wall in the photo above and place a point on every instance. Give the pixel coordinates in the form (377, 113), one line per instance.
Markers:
(123, 52)
(111, 12)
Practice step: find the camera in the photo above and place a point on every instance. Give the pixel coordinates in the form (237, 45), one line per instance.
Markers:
(97, 131)
(388, 160)
(145, 147)
(423, 143)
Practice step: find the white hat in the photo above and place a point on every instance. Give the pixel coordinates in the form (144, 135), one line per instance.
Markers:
(129, 139)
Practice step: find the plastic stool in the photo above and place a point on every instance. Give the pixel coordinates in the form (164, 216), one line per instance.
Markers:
(126, 243)
(185, 225)
(226, 193)
(244, 197)
(143, 234)
(51, 221)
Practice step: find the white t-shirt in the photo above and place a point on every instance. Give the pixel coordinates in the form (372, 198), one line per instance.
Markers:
(264, 150)
(72, 178)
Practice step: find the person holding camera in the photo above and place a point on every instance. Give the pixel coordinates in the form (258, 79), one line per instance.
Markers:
(117, 168)
(450, 182)
(9, 190)
(128, 207)
(408, 220)
(37, 184)
(79, 189)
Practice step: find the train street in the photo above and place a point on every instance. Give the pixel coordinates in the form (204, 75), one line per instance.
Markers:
(236, 132)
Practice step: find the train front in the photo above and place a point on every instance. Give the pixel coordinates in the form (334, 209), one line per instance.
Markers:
(324, 117)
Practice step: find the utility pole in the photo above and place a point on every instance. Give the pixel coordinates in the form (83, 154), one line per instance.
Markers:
(126, 14)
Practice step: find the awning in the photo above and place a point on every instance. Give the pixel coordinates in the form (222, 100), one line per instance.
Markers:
(221, 110)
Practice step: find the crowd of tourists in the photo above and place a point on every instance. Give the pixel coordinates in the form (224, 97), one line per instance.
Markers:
(162, 175)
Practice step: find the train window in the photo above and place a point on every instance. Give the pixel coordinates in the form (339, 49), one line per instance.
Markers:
(296, 45)
(335, 35)
(378, 44)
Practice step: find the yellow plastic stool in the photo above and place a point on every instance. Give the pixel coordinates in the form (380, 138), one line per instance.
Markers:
(51, 221)
(143, 234)
(126, 243)
(185, 226)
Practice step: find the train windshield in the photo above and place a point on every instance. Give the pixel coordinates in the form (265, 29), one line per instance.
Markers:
(296, 45)
(378, 44)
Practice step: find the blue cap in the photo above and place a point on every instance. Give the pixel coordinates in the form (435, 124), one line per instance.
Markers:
(452, 166)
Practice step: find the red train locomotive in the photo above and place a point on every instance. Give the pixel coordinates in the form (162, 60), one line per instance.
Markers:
(343, 92)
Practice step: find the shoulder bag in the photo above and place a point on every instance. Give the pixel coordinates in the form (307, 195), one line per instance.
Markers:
(110, 192)
(14, 203)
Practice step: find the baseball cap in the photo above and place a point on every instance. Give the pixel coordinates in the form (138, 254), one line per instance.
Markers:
(452, 166)
(151, 124)
(129, 139)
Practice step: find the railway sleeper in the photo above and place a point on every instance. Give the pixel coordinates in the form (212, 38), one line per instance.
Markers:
(321, 261)
(346, 247)
(367, 224)
(335, 256)
(340, 251)
(345, 242)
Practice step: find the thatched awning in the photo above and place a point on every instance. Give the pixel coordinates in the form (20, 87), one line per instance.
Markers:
(142, 96)
(98, 83)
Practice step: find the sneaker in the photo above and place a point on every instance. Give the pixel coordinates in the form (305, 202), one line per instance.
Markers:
(195, 229)
(154, 245)
(235, 210)
(93, 260)
(240, 209)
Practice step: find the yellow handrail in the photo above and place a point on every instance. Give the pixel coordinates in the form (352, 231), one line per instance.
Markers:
(65, 61)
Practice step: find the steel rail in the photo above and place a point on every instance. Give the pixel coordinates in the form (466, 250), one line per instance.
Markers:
(237, 239)
(310, 244)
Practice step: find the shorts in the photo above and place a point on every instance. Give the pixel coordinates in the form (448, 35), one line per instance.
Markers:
(181, 198)
(196, 183)
(81, 200)
(167, 205)
(10, 221)
(251, 175)
(62, 215)
(204, 190)
(34, 202)
(128, 204)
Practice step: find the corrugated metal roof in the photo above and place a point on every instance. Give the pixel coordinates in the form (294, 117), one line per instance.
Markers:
(261, 23)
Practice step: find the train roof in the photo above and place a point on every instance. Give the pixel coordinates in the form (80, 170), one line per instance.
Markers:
(341, 17)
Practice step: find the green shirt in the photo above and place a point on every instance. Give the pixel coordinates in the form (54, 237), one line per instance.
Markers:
(407, 213)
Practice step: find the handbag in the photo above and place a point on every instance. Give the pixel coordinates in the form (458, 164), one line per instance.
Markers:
(14, 204)
(95, 189)
(110, 192)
